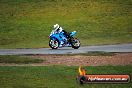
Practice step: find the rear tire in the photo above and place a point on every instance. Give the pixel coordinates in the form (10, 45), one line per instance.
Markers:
(75, 43)
(54, 44)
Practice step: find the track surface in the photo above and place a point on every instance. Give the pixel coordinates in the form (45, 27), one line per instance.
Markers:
(69, 50)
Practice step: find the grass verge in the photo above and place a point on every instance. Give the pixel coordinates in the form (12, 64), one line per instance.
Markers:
(18, 59)
(97, 53)
(56, 76)
(90, 53)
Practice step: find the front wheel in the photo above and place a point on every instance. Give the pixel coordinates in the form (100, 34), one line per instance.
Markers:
(75, 43)
(54, 44)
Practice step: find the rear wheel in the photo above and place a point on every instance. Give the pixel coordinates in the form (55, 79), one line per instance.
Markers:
(54, 44)
(75, 43)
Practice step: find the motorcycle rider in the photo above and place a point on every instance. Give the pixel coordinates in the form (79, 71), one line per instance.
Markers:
(58, 29)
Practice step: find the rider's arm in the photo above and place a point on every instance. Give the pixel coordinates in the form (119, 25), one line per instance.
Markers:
(64, 31)
(60, 29)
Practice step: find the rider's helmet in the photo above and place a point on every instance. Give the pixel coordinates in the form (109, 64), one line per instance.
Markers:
(56, 27)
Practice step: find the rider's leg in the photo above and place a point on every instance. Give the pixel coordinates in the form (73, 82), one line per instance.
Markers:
(66, 33)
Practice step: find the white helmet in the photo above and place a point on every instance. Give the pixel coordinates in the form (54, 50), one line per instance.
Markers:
(56, 26)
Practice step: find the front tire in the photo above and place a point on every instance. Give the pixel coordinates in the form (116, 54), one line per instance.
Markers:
(75, 43)
(54, 44)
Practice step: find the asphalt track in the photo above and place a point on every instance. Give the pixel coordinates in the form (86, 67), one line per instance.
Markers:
(69, 50)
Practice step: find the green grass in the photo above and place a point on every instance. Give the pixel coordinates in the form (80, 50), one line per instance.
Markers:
(27, 23)
(56, 76)
(96, 53)
(18, 59)
(91, 53)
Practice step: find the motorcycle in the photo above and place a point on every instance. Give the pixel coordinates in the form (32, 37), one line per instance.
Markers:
(58, 40)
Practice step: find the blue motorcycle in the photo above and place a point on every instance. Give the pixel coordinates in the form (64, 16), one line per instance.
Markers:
(58, 40)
